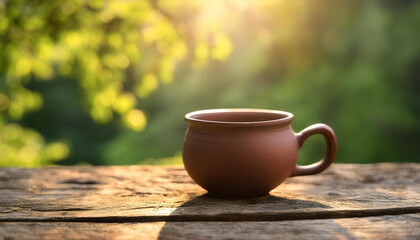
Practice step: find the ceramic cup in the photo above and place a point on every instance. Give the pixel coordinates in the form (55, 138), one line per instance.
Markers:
(239, 153)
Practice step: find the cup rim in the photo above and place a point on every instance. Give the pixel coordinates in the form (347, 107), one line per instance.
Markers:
(284, 117)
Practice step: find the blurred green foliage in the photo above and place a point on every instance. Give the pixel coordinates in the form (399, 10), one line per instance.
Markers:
(115, 51)
(351, 64)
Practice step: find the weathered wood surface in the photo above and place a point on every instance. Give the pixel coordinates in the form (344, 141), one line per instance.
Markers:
(379, 201)
(383, 227)
(146, 194)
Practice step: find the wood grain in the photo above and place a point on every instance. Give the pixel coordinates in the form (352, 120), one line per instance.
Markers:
(383, 227)
(151, 194)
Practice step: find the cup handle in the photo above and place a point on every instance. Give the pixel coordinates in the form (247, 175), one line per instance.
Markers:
(331, 140)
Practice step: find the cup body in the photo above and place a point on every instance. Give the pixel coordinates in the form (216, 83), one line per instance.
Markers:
(239, 152)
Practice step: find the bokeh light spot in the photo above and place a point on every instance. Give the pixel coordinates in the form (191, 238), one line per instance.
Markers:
(57, 150)
(124, 103)
(23, 67)
(223, 47)
(135, 120)
(101, 115)
(148, 84)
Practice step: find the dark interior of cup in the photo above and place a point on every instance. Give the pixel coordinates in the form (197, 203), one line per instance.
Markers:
(239, 116)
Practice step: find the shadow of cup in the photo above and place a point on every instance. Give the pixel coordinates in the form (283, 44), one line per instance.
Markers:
(268, 217)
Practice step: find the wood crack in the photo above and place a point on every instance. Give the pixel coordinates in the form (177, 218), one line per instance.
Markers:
(59, 209)
(228, 217)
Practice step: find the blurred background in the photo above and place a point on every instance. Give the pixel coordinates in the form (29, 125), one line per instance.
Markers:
(108, 82)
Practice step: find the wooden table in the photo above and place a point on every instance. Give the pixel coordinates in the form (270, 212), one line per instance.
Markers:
(143, 202)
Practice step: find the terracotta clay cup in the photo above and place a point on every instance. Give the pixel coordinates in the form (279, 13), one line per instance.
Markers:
(240, 153)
